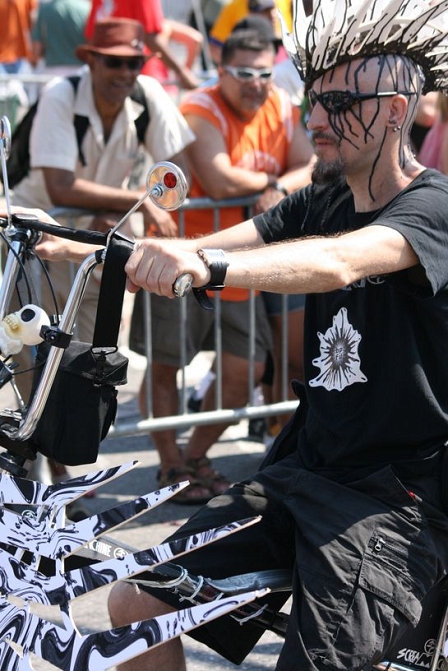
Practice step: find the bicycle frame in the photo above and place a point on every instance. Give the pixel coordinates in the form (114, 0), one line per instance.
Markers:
(66, 324)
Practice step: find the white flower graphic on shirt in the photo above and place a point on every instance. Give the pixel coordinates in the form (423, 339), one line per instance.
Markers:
(339, 362)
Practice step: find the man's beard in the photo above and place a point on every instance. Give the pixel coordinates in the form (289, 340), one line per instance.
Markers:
(327, 172)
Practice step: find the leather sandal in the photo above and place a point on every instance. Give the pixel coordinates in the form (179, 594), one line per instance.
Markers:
(197, 491)
(211, 478)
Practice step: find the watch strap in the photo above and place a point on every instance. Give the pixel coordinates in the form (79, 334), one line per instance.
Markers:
(216, 262)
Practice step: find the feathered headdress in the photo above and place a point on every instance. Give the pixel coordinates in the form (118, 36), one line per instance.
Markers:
(340, 30)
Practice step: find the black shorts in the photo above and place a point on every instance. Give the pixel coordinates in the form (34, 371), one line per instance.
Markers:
(361, 552)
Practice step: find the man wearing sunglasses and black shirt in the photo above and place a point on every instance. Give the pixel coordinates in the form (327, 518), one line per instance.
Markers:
(355, 501)
(95, 178)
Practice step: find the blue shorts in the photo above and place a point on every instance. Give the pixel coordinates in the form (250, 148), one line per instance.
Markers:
(274, 303)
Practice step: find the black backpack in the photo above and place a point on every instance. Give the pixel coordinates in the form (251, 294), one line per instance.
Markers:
(18, 165)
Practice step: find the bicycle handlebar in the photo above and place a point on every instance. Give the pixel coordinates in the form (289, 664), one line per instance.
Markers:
(78, 235)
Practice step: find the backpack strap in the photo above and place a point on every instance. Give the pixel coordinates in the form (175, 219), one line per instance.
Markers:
(141, 123)
(81, 125)
(80, 122)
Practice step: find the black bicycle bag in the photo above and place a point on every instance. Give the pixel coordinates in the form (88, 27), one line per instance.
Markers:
(81, 405)
(82, 402)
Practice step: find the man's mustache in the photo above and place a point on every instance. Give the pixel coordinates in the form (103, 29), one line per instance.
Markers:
(319, 135)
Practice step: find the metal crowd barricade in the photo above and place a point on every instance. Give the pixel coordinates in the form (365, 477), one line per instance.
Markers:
(185, 419)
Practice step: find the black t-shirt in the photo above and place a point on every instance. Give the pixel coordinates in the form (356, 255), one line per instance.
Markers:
(376, 352)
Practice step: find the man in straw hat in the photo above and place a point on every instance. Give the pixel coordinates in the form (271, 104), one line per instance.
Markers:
(112, 98)
(354, 502)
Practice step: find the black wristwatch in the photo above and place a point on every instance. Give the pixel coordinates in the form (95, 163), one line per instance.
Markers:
(216, 262)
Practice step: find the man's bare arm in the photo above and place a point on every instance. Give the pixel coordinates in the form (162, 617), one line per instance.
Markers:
(211, 163)
(311, 265)
(66, 190)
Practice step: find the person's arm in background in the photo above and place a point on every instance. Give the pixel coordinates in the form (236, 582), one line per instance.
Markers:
(67, 190)
(37, 44)
(37, 52)
(159, 45)
(52, 247)
(190, 38)
(27, 28)
(209, 160)
(427, 110)
(427, 115)
(300, 163)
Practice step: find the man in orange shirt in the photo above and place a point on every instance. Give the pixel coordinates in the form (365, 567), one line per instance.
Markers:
(249, 141)
(16, 17)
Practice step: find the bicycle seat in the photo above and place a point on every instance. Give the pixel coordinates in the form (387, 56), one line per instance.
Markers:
(278, 580)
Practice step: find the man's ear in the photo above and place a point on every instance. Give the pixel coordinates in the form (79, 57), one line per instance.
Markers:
(398, 110)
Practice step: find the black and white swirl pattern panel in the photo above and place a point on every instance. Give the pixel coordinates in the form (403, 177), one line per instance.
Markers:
(35, 542)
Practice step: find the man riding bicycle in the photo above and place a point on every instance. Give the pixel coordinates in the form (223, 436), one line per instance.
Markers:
(356, 508)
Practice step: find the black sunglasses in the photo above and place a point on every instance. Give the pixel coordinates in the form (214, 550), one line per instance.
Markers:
(133, 64)
(335, 102)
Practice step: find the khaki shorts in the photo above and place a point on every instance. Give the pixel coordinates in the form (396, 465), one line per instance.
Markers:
(166, 329)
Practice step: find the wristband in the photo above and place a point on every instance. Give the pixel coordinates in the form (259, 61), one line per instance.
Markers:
(279, 187)
(216, 262)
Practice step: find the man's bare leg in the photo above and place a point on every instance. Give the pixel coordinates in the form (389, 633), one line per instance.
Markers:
(127, 603)
(235, 394)
(165, 403)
